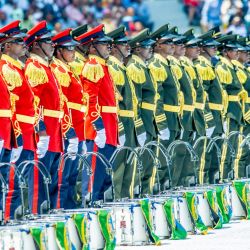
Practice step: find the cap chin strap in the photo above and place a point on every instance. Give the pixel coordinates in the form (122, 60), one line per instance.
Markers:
(98, 52)
(120, 52)
(44, 52)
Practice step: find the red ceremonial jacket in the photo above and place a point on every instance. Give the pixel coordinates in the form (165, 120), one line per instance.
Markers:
(13, 76)
(73, 90)
(53, 112)
(102, 110)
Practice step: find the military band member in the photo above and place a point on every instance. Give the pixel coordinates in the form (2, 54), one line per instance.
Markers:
(169, 97)
(125, 170)
(236, 94)
(54, 121)
(242, 160)
(101, 125)
(216, 99)
(13, 75)
(77, 104)
(187, 122)
(145, 90)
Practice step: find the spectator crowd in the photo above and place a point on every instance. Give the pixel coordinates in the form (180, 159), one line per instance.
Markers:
(61, 14)
(231, 15)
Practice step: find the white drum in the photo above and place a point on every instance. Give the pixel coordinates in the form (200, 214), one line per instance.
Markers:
(160, 224)
(238, 211)
(203, 207)
(130, 225)
(16, 238)
(182, 212)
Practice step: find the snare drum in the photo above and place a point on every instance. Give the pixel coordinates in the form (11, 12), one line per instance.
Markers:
(240, 198)
(130, 225)
(160, 224)
(182, 212)
(16, 238)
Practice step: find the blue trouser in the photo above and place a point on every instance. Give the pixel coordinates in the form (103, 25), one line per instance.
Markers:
(67, 181)
(102, 181)
(51, 162)
(13, 199)
(4, 170)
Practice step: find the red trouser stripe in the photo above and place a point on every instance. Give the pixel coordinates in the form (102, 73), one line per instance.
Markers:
(60, 174)
(93, 167)
(9, 193)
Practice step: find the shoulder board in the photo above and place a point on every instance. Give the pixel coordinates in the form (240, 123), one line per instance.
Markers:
(116, 74)
(93, 70)
(224, 74)
(205, 72)
(61, 75)
(157, 71)
(135, 73)
(11, 77)
(35, 74)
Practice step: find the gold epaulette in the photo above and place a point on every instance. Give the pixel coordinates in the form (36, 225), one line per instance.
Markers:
(205, 72)
(61, 74)
(157, 71)
(11, 77)
(242, 76)
(76, 66)
(175, 67)
(116, 74)
(36, 74)
(224, 74)
(93, 70)
(136, 74)
(190, 70)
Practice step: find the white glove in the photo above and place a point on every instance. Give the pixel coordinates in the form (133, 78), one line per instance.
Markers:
(1, 145)
(165, 134)
(100, 139)
(225, 127)
(209, 132)
(73, 147)
(15, 154)
(194, 135)
(122, 140)
(142, 139)
(182, 133)
(42, 146)
(84, 147)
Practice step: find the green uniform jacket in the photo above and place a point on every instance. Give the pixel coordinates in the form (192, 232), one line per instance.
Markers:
(169, 90)
(138, 73)
(159, 75)
(243, 75)
(230, 82)
(214, 92)
(127, 102)
(188, 91)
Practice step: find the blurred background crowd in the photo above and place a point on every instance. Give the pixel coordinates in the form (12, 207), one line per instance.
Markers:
(61, 14)
(231, 15)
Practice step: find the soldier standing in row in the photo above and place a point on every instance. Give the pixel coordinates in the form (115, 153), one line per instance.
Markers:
(125, 167)
(77, 104)
(54, 119)
(145, 90)
(101, 125)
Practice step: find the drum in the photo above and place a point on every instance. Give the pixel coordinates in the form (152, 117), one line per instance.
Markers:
(241, 198)
(160, 224)
(16, 238)
(203, 207)
(182, 212)
(94, 235)
(130, 225)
